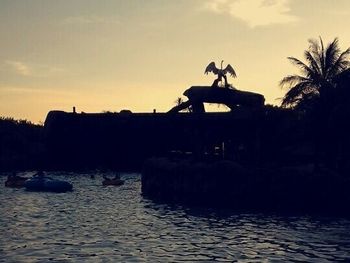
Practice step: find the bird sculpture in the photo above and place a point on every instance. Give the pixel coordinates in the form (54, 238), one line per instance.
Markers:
(220, 72)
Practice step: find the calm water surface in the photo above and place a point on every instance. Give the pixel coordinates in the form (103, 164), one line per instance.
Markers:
(102, 224)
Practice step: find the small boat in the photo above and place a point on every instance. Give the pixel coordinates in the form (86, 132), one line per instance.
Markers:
(15, 181)
(114, 181)
(47, 184)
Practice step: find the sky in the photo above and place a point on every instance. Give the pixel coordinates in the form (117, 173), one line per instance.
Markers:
(110, 55)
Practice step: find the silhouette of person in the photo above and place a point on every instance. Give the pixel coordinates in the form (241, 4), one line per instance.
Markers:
(12, 176)
(106, 178)
(39, 174)
(116, 177)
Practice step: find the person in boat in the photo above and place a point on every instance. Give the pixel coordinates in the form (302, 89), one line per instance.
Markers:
(106, 178)
(13, 180)
(13, 177)
(116, 177)
(113, 181)
(39, 174)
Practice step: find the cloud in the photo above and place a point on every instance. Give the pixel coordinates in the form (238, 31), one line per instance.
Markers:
(254, 12)
(89, 19)
(30, 90)
(217, 6)
(33, 70)
(338, 12)
(19, 67)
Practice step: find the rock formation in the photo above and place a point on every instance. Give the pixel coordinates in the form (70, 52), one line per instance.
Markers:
(197, 95)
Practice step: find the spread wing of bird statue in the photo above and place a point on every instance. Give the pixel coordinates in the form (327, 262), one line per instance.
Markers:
(220, 72)
(211, 68)
(229, 69)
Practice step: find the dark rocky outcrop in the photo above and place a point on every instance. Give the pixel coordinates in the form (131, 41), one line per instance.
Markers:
(232, 98)
(228, 184)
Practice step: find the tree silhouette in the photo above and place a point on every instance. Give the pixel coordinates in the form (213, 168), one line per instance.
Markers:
(320, 75)
(179, 101)
(319, 92)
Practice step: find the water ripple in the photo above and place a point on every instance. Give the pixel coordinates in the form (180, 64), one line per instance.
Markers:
(95, 223)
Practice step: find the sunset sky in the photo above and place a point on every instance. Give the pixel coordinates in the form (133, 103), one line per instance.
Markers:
(141, 55)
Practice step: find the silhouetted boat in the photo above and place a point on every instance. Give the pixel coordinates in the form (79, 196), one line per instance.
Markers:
(16, 181)
(47, 184)
(115, 182)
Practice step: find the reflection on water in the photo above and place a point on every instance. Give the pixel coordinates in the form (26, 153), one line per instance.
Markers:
(95, 223)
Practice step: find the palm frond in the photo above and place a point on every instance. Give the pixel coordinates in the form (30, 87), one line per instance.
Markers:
(342, 63)
(296, 93)
(313, 63)
(292, 80)
(322, 57)
(331, 55)
(314, 49)
(304, 68)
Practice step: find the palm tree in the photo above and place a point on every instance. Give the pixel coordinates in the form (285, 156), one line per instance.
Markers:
(319, 77)
(318, 91)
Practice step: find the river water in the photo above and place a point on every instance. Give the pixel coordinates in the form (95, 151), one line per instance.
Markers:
(116, 224)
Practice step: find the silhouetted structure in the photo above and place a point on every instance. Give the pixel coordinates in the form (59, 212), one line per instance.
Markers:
(119, 140)
(248, 134)
(125, 139)
(232, 98)
(229, 184)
